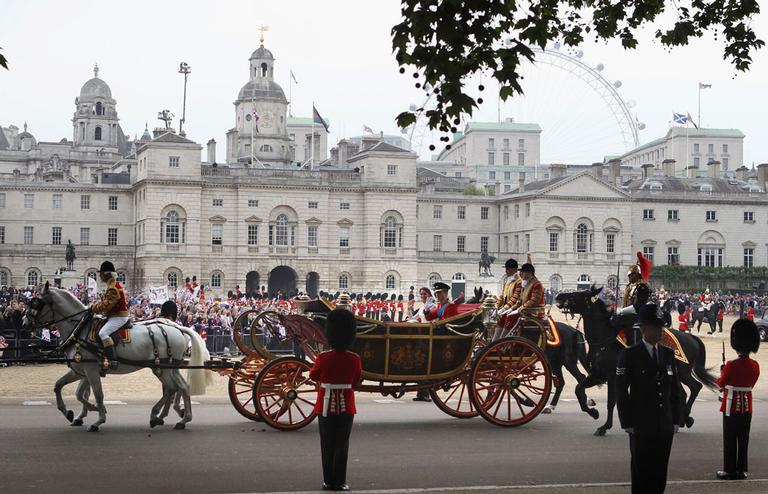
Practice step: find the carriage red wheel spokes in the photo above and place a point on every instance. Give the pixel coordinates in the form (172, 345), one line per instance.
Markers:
(268, 325)
(284, 394)
(241, 386)
(510, 381)
(453, 398)
(242, 327)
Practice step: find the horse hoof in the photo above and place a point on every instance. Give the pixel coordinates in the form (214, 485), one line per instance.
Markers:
(548, 410)
(179, 426)
(595, 414)
(600, 432)
(155, 422)
(689, 422)
(70, 415)
(77, 423)
(93, 428)
(591, 402)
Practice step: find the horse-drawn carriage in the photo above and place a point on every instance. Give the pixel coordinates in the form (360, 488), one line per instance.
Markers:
(507, 381)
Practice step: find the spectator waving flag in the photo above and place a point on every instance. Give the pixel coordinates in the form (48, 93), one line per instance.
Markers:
(318, 119)
(679, 118)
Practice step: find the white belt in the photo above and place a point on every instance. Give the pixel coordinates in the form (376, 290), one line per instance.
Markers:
(328, 387)
(729, 400)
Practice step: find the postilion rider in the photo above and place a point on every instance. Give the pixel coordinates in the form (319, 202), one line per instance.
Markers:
(114, 306)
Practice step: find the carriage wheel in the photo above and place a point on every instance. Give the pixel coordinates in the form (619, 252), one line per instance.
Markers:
(265, 325)
(510, 381)
(241, 385)
(284, 394)
(242, 326)
(452, 397)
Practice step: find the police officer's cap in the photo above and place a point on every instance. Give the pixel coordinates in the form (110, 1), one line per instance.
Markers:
(650, 314)
(440, 287)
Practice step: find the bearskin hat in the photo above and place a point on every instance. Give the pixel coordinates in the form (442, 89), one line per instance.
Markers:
(745, 337)
(393, 297)
(340, 329)
(681, 308)
(169, 310)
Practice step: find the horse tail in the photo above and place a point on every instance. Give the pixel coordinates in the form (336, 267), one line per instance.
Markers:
(702, 373)
(198, 379)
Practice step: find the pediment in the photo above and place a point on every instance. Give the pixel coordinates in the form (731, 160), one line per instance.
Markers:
(345, 222)
(253, 219)
(313, 221)
(584, 185)
(217, 218)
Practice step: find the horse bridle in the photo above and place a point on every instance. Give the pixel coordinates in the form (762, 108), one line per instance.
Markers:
(36, 304)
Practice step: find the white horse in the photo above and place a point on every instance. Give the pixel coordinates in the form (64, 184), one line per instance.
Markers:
(56, 306)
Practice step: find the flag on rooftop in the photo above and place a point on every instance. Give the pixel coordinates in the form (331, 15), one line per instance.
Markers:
(318, 119)
(690, 119)
(704, 86)
(679, 118)
(367, 129)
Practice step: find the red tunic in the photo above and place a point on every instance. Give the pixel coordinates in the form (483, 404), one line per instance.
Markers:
(336, 368)
(451, 309)
(683, 319)
(736, 378)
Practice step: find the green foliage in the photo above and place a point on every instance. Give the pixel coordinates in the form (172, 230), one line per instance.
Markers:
(447, 41)
(473, 190)
(676, 277)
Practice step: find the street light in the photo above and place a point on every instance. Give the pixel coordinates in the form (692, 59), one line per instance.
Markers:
(186, 69)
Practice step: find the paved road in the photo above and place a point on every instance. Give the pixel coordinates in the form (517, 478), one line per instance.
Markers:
(395, 445)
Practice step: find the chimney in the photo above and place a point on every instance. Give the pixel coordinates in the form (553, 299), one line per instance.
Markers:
(343, 152)
(557, 170)
(596, 170)
(762, 175)
(669, 165)
(162, 130)
(212, 151)
(521, 182)
(741, 173)
(614, 171)
(714, 169)
(647, 170)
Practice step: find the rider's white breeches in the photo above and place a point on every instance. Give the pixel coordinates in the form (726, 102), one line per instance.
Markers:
(112, 325)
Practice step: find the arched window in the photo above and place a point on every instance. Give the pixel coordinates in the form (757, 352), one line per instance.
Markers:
(389, 282)
(556, 283)
(173, 280)
(92, 274)
(582, 238)
(611, 282)
(33, 277)
(281, 230)
(216, 279)
(99, 108)
(584, 282)
(433, 278)
(173, 228)
(264, 69)
(390, 232)
(121, 277)
(459, 276)
(4, 277)
(343, 282)
(265, 148)
(97, 134)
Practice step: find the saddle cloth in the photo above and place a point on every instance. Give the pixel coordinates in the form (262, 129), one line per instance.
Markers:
(668, 339)
(122, 335)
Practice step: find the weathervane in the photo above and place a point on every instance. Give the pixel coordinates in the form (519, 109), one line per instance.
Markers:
(166, 116)
(263, 29)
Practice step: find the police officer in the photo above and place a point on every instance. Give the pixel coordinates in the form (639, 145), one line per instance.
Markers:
(649, 399)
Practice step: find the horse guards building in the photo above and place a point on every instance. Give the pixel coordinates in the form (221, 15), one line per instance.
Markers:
(368, 216)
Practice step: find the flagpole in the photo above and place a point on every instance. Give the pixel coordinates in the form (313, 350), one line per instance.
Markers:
(253, 125)
(312, 140)
(699, 115)
(687, 153)
(290, 93)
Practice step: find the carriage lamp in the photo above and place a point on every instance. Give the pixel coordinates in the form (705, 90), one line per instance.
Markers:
(343, 302)
(489, 311)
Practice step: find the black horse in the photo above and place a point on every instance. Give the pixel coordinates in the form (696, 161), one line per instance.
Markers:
(700, 313)
(604, 350)
(569, 353)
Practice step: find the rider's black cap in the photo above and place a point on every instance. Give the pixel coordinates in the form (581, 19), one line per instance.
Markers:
(107, 267)
(510, 264)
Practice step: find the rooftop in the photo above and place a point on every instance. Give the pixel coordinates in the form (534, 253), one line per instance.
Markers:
(503, 126)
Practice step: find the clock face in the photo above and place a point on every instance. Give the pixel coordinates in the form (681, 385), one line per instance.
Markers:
(248, 117)
(268, 120)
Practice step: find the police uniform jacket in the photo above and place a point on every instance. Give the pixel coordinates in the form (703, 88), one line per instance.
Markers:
(648, 396)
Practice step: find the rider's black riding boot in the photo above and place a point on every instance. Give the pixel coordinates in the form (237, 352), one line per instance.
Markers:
(109, 353)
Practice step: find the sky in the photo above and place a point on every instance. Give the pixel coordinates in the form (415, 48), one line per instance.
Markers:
(341, 55)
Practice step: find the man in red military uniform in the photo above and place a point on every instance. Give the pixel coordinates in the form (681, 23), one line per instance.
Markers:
(737, 379)
(445, 308)
(113, 305)
(682, 317)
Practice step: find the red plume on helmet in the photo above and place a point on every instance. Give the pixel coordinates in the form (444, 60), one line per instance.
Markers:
(645, 265)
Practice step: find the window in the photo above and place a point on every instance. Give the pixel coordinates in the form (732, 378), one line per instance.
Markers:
(57, 200)
(389, 282)
(484, 212)
(749, 257)
(710, 149)
(506, 212)
(437, 243)
(3, 278)
(648, 214)
(505, 162)
(506, 143)
(491, 143)
(521, 159)
(710, 257)
(507, 175)
(112, 203)
(85, 236)
(2, 199)
(749, 216)
(85, 201)
(215, 280)
(491, 175)
(173, 280)
(265, 148)
(517, 210)
(173, 161)
(516, 243)
(459, 276)
(56, 235)
(696, 148)
(2, 236)
(554, 240)
(112, 236)
(711, 215)
(696, 162)
(218, 202)
(673, 256)
(506, 243)
(281, 230)
(312, 205)
(610, 243)
(461, 242)
(343, 205)
(391, 169)
(33, 278)
(29, 201)
(527, 208)
(217, 230)
(457, 174)
(461, 212)
(97, 134)
(725, 163)
(173, 229)
(312, 236)
(673, 215)
(344, 237)
(29, 234)
(521, 144)
(437, 212)
(253, 234)
(648, 252)
(253, 203)
(527, 242)
(390, 232)
(99, 108)
(343, 281)
(582, 238)
(725, 148)
(491, 158)
(484, 244)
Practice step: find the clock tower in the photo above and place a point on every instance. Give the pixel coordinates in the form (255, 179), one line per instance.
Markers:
(260, 135)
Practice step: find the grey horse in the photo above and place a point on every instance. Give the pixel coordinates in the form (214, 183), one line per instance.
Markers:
(60, 306)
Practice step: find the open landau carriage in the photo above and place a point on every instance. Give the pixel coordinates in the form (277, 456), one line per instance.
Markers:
(507, 380)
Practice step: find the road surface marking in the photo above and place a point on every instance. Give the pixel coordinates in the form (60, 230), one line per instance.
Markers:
(33, 403)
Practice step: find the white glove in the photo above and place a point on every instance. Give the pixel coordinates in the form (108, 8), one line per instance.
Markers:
(629, 430)
(513, 313)
(630, 309)
(502, 312)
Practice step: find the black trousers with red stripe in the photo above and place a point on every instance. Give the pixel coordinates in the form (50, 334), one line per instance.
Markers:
(736, 442)
(334, 446)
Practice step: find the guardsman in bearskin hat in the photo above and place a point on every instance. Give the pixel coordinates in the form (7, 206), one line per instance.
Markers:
(682, 317)
(114, 305)
(737, 378)
(336, 372)
(636, 294)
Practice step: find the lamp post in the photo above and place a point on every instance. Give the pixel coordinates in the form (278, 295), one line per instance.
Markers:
(185, 69)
